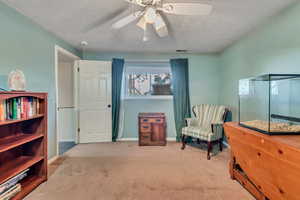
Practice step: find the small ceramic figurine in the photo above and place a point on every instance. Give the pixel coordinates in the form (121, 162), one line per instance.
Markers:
(16, 80)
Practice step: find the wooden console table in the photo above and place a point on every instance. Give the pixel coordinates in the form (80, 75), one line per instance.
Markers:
(267, 166)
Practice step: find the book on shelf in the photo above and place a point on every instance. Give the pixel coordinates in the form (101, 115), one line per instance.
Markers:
(13, 191)
(15, 108)
(19, 108)
(4, 187)
(2, 110)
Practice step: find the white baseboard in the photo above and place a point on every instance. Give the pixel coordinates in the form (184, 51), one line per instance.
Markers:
(171, 139)
(51, 160)
(95, 142)
(67, 140)
(128, 139)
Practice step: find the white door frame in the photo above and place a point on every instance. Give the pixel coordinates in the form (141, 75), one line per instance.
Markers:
(57, 50)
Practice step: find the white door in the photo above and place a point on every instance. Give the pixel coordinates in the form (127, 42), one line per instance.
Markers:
(95, 120)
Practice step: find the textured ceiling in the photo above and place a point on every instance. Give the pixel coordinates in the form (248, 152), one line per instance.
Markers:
(74, 21)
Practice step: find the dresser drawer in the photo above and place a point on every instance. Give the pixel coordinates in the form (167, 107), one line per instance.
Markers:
(145, 120)
(145, 137)
(152, 120)
(159, 120)
(145, 127)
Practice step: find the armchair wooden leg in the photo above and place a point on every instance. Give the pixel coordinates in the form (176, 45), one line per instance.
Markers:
(183, 137)
(209, 148)
(221, 144)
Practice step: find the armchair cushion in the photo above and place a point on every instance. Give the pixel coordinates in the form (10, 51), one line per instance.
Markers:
(200, 133)
(191, 121)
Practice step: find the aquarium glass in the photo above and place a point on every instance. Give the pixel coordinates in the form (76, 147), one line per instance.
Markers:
(270, 103)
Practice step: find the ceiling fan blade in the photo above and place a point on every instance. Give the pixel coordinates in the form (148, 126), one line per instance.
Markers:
(136, 2)
(187, 8)
(160, 26)
(142, 23)
(106, 20)
(127, 20)
(156, 2)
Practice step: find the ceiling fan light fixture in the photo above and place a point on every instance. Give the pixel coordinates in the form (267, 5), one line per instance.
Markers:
(160, 26)
(142, 23)
(153, 11)
(150, 15)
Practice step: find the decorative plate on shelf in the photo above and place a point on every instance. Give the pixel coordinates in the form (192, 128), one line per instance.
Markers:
(16, 80)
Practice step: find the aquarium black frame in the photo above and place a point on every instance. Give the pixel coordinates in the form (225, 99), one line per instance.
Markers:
(268, 78)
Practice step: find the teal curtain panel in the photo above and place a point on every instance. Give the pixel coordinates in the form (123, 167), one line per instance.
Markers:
(181, 94)
(117, 75)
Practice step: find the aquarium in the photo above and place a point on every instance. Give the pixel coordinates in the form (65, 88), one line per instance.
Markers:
(270, 104)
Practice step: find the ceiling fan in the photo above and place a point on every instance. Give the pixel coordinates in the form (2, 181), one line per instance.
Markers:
(151, 13)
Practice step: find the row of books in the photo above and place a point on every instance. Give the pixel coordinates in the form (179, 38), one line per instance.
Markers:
(19, 108)
(12, 187)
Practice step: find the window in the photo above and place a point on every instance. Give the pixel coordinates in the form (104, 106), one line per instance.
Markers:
(147, 81)
(148, 84)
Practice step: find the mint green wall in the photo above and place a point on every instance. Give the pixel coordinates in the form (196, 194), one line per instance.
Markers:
(26, 46)
(134, 107)
(204, 86)
(272, 48)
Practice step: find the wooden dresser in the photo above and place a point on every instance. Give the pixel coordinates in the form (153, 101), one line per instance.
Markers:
(267, 166)
(152, 129)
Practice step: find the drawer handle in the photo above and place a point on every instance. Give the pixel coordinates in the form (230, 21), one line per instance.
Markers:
(145, 126)
(158, 120)
(146, 137)
(145, 120)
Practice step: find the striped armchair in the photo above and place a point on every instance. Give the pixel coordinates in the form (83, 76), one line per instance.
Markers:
(207, 126)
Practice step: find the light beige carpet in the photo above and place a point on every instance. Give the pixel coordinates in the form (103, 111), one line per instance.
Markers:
(125, 171)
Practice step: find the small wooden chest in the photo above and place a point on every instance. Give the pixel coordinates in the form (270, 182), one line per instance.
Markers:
(152, 129)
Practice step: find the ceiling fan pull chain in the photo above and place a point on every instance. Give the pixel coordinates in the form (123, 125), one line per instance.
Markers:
(145, 38)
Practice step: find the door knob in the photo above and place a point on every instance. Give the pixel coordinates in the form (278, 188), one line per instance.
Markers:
(109, 106)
